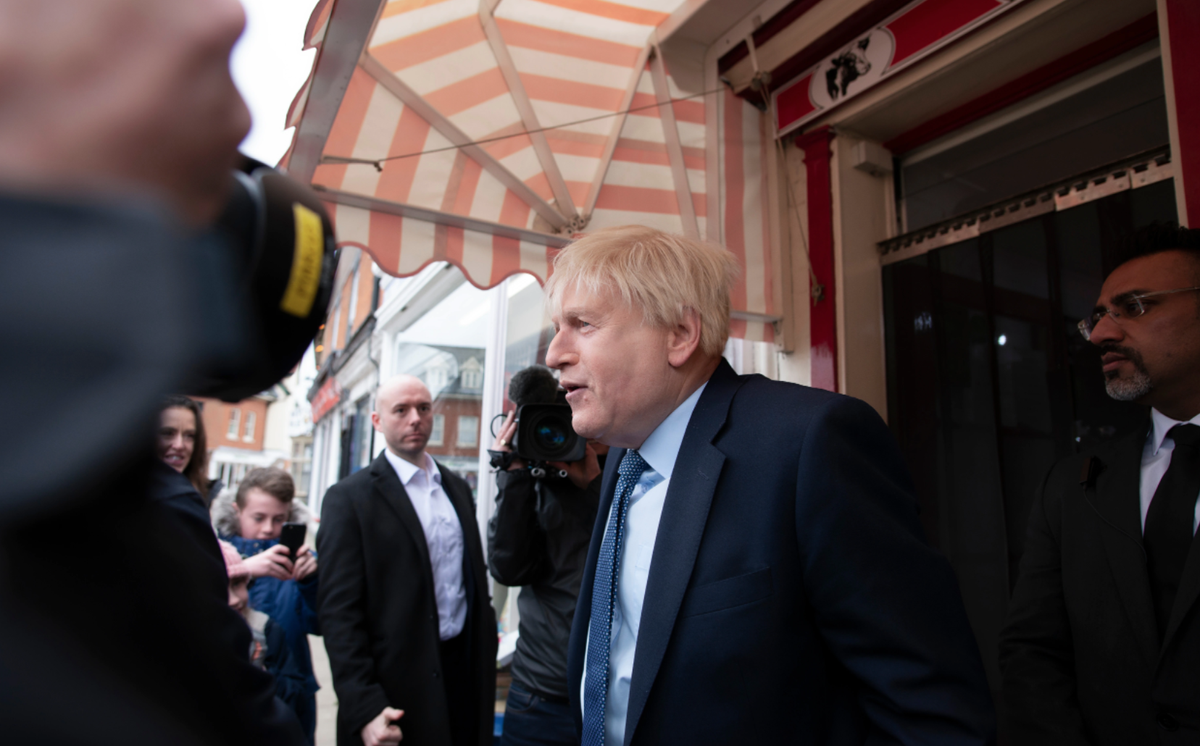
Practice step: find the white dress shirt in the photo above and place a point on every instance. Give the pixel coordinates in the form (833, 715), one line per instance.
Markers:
(1156, 459)
(443, 536)
(641, 529)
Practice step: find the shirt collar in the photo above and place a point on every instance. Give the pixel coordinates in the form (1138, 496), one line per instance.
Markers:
(1163, 425)
(662, 447)
(406, 470)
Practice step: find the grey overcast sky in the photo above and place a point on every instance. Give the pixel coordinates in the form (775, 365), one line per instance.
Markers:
(269, 67)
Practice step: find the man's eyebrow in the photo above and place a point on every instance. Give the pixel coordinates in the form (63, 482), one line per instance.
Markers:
(1128, 294)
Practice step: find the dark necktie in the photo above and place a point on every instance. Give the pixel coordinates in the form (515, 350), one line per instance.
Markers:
(604, 597)
(1169, 521)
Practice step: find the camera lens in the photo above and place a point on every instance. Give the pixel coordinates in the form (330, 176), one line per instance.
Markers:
(546, 435)
(550, 437)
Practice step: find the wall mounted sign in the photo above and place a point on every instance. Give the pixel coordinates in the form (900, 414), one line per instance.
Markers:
(326, 399)
(916, 31)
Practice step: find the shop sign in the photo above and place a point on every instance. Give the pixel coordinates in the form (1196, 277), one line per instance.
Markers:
(326, 399)
(916, 31)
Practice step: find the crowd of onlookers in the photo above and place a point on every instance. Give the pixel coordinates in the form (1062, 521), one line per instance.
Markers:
(274, 589)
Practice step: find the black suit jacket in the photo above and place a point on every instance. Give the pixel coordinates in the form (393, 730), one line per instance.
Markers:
(1080, 655)
(791, 598)
(379, 614)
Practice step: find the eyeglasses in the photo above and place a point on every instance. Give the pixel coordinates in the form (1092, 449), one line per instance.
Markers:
(1129, 307)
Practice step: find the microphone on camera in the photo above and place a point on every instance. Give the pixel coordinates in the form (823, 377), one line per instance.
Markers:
(533, 385)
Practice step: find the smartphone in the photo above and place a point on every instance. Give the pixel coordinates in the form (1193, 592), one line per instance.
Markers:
(293, 538)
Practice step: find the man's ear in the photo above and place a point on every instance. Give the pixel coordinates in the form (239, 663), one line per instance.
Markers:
(684, 338)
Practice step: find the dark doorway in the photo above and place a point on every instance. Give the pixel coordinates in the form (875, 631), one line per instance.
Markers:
(989, 381)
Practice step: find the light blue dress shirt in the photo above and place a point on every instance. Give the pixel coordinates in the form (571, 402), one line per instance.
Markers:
(641, 529)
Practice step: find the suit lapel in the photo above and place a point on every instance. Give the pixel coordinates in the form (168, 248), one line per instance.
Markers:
(684, 516)
(1117, 500)
(1185, 597)
(388, 485)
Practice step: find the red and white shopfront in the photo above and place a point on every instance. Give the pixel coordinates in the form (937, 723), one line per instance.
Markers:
(953, 180)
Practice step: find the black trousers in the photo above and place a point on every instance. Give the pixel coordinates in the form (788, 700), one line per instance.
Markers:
(461, 691)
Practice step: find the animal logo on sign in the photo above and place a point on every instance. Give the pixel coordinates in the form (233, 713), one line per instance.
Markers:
(846, 68)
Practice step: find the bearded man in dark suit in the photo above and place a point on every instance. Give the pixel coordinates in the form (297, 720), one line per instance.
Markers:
(404, 606)
(1102, 643)
(757, 572)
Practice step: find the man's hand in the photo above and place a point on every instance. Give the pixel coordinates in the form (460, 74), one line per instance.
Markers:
(273, 562)
(383, 729)
(581, 472)
(306, 564)
(112, 98)
(504, 440)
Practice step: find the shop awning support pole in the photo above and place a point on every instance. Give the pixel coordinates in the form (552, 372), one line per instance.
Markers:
(614, 135)
(562, 196)
(683, 190)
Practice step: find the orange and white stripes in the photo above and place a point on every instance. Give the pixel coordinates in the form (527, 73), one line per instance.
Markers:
(403, 246)
(565, 61)
(746, 142)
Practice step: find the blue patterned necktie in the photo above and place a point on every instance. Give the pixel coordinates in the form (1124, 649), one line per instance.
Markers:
(604, 596)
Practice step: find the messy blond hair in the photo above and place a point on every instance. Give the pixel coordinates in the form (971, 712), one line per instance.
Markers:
(661, 274)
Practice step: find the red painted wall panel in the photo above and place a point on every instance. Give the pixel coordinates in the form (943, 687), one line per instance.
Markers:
(933, 20)
(822, 313)
(1183, 24)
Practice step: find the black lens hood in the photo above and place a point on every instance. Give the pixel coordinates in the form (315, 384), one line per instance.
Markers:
(284, 252)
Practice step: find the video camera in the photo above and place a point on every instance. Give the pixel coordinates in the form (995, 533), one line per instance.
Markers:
(544, 431)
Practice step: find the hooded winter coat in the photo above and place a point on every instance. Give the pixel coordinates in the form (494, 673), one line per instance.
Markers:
(269, 651)
(291, 604)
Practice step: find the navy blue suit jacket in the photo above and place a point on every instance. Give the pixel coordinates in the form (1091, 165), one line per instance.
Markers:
(792, 598)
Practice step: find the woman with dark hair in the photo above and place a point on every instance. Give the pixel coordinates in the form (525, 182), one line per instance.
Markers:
(182, 444)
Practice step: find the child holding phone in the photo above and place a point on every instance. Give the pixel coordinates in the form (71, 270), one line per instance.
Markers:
(252, 518)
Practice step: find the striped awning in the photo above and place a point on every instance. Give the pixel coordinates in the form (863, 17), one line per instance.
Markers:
(487, 133)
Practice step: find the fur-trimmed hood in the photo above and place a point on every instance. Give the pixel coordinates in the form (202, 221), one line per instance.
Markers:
(225, 518)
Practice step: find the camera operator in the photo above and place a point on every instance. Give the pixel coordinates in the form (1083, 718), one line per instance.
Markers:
(119, 127)
(538, 538)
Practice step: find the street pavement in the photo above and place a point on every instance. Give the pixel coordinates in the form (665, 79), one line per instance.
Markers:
(326, 699)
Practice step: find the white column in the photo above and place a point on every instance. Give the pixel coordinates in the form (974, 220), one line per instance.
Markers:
(493, 402)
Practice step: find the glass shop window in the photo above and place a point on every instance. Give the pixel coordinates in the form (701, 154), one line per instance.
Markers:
(990, 382)
(529, 329)
(445, 348)
(468, 431)
(438, 435)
